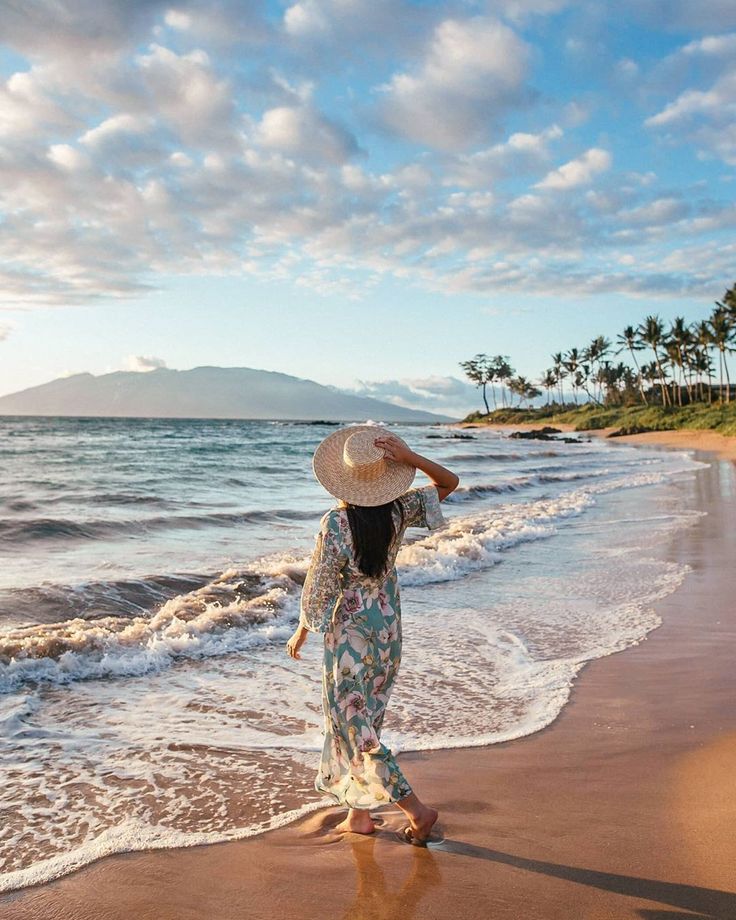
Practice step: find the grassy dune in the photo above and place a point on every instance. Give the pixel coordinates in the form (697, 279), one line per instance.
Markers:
(629, 419)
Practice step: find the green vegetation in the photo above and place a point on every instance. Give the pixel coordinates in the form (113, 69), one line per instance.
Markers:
(629, 419)
(677, 388)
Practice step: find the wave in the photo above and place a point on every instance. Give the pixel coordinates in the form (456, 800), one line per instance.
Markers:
(125, 597)
(484, 456)
(13, 532)
(466, 493)
(218, 618)
(259, 603)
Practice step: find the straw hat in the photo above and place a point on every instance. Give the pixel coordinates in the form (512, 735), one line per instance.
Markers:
(353, 469)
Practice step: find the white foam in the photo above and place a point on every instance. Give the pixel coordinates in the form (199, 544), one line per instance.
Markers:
(114, 764)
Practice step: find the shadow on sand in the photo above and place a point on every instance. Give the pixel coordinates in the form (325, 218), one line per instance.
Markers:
(709, 903)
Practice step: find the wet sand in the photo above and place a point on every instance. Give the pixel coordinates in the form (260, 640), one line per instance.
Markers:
(724, 446)
(625, 807)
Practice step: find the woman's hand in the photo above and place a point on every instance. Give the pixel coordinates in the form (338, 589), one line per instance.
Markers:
(296, 642)
(396, 449)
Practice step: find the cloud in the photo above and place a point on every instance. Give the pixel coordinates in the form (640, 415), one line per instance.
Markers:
(676, 15)
(472, 73)
(444, 395)
(5, 330)
(144, 363)
(77, 27)
(706, 118)
(186, 94)
(304, 133)
(521, 10)
(327, 31)
(521, 153)
(137, 142)
(579, 171)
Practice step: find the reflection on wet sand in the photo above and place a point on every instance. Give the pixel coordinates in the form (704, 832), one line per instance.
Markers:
(378, 895)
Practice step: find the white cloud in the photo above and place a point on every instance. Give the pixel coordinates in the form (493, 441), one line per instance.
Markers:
(343, 27)
(711, 45)
(521, 10)
(68, 158)
(520, 153)
(27, 108)
(704, 117)
(306, 18)
(111, 128)
(184, 92)
(121, 165)
(5, 330)
(178, 19)
(443, 395)
(705, 15)
(660, 211)
(472, 72)
(579, 171)
(306, 134)
(144, 363)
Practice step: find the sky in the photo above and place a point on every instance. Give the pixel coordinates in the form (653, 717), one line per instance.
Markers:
(360, 192)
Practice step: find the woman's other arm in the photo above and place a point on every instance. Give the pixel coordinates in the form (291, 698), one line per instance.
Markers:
(395, 449)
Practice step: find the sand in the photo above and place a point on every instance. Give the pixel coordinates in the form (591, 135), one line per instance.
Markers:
(724, 446)
(625, 807)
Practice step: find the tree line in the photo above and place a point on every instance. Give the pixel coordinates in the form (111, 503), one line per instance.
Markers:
(671, 365)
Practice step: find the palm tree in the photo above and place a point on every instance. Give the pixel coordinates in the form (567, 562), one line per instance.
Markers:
(673, 359)
(702, 363)
(504, 373)
(560, 371)
(651, 333)
(571, 363)
(722, 330)
(500, 366)
(548, 380)
(681, 339)
(651, 373)
(479, 371)
(729, 302)
(594, 354)
(703, 338)
(629, 340)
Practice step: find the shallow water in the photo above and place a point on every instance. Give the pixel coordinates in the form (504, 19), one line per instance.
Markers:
(151, 574)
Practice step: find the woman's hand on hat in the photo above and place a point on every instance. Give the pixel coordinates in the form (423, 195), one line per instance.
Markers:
(395, 449)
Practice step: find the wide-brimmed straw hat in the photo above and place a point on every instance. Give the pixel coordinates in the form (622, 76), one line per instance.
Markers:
(353, 469)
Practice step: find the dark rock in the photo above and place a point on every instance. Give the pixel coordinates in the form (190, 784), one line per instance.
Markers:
(630, 429)
(536, 434)
(543, 434)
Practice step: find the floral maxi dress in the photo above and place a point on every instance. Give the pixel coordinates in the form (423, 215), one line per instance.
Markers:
(361, 621)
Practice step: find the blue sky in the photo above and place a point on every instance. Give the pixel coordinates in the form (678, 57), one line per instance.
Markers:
(363, 192)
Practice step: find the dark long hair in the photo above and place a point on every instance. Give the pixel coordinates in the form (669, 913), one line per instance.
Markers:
(372, 530)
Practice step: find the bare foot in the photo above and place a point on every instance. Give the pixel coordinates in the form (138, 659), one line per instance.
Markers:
(422, 824)
(358, 821)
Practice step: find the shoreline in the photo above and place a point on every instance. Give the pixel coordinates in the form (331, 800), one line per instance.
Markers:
(712, 442)
(586, 812)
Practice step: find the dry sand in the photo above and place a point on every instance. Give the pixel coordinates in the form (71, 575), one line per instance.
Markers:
(625, 807)
(684, 439)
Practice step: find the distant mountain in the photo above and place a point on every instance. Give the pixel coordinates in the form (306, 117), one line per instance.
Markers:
(203, 392)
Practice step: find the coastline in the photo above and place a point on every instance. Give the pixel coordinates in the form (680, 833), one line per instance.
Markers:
(622, 807)
(712, 442)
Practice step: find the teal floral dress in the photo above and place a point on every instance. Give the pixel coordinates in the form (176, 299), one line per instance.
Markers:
(361, 621)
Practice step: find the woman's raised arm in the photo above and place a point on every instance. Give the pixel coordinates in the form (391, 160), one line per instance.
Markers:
(395, 449)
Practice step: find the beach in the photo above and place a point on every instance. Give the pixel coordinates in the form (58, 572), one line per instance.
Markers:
(623, 807)
(723, 446)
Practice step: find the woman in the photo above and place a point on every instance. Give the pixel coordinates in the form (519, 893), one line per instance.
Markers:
(351, 594)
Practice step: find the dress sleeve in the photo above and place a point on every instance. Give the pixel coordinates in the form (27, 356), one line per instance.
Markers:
(322, 587)
(422, 508)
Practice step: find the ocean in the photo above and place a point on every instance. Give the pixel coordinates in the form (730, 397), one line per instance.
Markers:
(150, 577)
